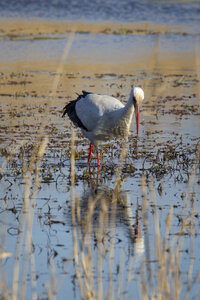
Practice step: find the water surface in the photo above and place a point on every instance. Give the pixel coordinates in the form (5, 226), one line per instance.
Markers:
(164, 153)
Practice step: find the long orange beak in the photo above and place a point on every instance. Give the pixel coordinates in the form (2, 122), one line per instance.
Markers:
(137, 115)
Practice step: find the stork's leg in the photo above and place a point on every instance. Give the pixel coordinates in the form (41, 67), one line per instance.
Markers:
(98, 161)
(89, 157)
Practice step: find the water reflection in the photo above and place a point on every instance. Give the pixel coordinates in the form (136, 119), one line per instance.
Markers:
(111, 209)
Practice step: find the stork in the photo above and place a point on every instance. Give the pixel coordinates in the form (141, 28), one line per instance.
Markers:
(102, 117)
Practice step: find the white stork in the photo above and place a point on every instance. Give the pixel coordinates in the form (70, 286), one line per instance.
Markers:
(102, 117)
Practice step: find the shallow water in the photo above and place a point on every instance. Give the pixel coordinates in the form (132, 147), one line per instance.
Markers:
(172, 13)
(99, 49)
(165, 151)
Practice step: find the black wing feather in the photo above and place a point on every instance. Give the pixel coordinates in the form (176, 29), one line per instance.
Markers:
(70, 110)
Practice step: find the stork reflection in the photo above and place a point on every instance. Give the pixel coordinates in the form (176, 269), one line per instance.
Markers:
(106, 213)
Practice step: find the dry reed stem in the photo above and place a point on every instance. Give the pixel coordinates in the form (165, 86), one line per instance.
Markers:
(102, 222)
(51, 287)
(167, 261)
(135, 236)
(53, 282)
(88, 219)
(62, 63)
(129, 277)
(146, 231)
(197, 62)
(30, 199)
(28, 179)
(163, 285)
(75, 246)
(154, 62)
(120, 277)
(85, 252)
(113, 216)
(143, 285)
(3, 255)
(56, 80)
(194, 200)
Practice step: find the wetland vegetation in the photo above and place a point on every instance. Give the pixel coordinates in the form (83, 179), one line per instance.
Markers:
(130, 230)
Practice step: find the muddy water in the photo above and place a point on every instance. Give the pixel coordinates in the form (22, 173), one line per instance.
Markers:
(167, 68)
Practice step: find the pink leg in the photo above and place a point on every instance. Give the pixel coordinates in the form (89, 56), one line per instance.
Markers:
(98, 161)
(89, 157)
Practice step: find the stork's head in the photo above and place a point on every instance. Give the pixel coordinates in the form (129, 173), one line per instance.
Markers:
(138, 96)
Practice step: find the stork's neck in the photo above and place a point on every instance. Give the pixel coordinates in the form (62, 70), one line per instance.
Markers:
(130, 100)
(129, 107)
(123, 119)
(126, 113)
